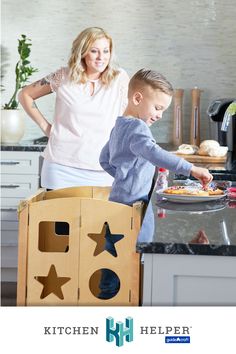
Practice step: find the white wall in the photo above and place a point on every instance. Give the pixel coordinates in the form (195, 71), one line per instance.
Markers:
(192, 42)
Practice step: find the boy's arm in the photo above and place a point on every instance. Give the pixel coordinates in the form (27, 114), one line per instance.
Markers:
(144, 145)
(104, 160)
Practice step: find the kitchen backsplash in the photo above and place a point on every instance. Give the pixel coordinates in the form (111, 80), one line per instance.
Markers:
(191, 42)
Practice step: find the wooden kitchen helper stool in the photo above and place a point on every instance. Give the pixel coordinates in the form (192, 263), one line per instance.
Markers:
(66, 269)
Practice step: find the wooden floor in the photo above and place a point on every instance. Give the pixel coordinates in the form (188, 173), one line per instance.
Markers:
(8, 294)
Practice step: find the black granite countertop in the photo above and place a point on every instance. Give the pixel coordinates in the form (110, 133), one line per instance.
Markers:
(176, 226)
(25, 145)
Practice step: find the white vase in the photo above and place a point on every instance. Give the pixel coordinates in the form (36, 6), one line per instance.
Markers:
(12, 125)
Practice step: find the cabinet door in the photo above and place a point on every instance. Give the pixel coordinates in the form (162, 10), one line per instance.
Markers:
(189, 280)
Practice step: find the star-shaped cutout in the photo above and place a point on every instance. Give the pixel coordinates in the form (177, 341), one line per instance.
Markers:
(52, 283)
(105, 241)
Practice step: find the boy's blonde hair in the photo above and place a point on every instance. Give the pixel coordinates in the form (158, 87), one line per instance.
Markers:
(152, 78)
(81, 47)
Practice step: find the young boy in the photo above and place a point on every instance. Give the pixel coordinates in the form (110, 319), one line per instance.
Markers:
(131, 154)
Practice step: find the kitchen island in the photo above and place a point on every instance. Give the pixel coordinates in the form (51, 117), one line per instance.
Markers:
(178, 269)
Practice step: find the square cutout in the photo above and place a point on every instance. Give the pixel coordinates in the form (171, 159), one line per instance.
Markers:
(50, 240)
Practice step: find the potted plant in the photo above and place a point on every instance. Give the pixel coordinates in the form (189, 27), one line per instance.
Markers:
(12, 119)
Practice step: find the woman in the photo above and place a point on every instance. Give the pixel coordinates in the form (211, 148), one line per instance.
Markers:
(90, 94)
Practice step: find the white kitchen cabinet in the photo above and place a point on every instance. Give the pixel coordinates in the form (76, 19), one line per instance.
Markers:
(19, 179)
(189, 280)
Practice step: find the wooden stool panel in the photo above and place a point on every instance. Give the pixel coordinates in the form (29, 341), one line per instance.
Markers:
(65, 268)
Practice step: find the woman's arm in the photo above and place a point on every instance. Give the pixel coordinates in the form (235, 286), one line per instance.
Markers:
(27, 97)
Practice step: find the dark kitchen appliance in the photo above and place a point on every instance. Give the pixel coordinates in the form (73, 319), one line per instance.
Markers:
(216, 112)
(224, 127)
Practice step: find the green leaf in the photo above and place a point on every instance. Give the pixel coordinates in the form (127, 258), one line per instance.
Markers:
(25, 52)
(25, 62)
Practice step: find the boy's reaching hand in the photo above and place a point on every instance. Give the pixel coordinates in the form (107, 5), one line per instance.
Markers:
(202, 174)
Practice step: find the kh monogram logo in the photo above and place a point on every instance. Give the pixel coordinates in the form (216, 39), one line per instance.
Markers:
(119, 331)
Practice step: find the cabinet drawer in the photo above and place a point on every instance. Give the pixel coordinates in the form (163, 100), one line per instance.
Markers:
(9, 256)
(10, 203)
(9, 225)
(21, 162)
(19, 185)
(9, 238)
(9, 214)
(8, 275)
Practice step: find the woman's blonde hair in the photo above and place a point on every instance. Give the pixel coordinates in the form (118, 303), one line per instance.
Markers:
(80, 48)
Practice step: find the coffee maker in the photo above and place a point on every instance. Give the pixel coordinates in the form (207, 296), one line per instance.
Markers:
(223, 128)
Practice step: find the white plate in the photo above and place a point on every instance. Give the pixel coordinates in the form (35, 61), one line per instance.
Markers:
(189, 198)
(193, 207)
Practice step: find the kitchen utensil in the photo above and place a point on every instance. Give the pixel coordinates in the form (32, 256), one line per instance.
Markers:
(178, 116)
(195, 117)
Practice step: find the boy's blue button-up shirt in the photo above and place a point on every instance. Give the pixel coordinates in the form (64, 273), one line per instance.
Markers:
(130, 156)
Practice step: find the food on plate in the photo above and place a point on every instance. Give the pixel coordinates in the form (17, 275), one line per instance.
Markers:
(212, 148)
(187, 149)
(215, 192)
(193, 191)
